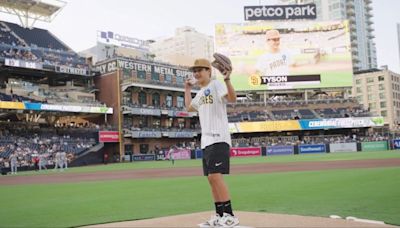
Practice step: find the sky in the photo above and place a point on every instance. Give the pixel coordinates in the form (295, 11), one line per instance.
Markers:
(77, 23)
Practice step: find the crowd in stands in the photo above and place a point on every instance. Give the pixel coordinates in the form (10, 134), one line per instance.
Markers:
(162, 106)
(36, 45)
(292, 108)
(294, 114)
(43, 142)
(264, 141)
(236, 116)
(282, 101)
(15, 98)
(22, 90)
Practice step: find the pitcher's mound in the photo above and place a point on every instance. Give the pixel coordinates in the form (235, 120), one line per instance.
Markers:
(247, 219)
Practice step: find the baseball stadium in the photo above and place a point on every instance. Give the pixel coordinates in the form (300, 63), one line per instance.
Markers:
(109, 142)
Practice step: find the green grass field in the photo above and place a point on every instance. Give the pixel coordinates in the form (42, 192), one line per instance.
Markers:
(364, 193)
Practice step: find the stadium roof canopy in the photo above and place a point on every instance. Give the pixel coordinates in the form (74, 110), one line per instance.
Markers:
(30, 11)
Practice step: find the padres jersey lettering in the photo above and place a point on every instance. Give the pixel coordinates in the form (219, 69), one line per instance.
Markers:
(276, 64)
(210, 102)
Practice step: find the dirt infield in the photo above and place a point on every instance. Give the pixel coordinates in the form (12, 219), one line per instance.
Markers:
(247, 219)
(195, 171)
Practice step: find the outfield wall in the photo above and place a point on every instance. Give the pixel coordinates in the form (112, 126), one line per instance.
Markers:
(281, 150)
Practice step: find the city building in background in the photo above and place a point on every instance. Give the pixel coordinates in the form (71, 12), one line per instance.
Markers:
(183, 48)
(359, 13)
(379, 91)
(398, 39)
(110, 44)
(148, 100)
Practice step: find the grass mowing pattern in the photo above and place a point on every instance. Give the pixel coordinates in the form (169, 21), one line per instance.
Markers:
(364, 193)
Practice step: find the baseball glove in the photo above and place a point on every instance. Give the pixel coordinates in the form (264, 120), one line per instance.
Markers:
(221, 63)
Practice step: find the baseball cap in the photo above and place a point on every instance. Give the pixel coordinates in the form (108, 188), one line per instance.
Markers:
(272, 34)
(200, 63)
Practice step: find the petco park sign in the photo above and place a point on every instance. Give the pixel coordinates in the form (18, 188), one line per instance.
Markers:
(280, 12)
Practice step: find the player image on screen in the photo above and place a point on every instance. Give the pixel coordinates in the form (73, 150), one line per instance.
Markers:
(276, 61)
(273, 55)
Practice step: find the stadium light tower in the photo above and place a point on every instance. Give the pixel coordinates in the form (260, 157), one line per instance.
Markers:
(30, 11)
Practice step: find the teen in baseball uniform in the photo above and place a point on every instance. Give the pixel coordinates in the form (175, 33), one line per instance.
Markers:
(210, 102)
(277, 61)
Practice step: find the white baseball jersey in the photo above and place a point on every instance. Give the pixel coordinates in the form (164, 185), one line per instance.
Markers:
(13, 159)
(274, 64)
(210, 102)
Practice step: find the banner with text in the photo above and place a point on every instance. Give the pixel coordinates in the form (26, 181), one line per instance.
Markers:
(245, 151)
(396, 144)
(280, 150)
(343, 147)
(314, 124)
(108, 136)
(179, 154)
(23, 64)
(73, 70)
(53, 107)
(311, 149)
(145, 66)
(374, 146)
(113, 38)
(280, 12)
(143, 157)
(268, 126)
(352, 122)
(146, 134)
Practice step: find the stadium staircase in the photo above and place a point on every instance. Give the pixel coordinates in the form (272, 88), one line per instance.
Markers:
(315, 113)
(92, 155)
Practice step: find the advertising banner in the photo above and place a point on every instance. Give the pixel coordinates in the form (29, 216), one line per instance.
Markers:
(280, 150)
(22, 64)
(75, 108)
(352, 122)
(100, 110)
(182, 114)
(245, 151)
(160, 156)
(146, 134)
(146, 111)
(275, 55)
(109, 37)
(199, 153)
(343, 147)
(310, 149)
(11, 105)
(72, 70)
(268, 126)
(374, 146)
(143, 157)
(53, 107)
(144, 66)
(180, 134)
(108, 136)
(179, 154)
(127, 157)
(396, 144)
(33, 106)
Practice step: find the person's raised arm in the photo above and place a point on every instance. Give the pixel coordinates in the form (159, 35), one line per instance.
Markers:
(188, 97)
